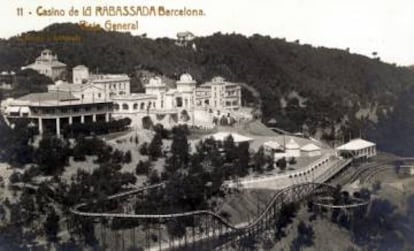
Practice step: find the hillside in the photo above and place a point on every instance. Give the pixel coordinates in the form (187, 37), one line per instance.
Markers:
(323, 88)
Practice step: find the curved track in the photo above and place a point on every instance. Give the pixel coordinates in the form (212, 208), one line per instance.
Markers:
(364, 173)
(281, 195)
(291, 194)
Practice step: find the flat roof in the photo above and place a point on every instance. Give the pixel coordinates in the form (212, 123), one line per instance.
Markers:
(54, 99)
(310, 148)
(221, 136)
(134, 96)
(356, 144)
(48, 96)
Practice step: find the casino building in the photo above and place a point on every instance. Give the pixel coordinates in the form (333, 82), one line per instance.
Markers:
(102, 97)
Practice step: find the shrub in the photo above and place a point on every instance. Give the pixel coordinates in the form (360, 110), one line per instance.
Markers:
(127, 157)
(143, 167)
(15, 177)
(143, 150)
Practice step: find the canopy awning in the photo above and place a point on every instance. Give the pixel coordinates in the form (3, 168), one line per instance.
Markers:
(13, 109)
(356, 144)
(25, 109)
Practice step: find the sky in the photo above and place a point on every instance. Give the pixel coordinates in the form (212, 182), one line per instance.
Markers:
(363, 26)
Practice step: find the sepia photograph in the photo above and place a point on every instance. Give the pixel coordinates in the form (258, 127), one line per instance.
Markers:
(152, 125)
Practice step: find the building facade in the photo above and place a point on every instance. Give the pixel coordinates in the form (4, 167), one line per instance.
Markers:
(48, 64)
(51, 111)
(92, 97)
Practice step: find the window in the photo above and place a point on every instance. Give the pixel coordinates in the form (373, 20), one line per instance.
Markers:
(99, 95)
(135, 106)
(125, 107)
(116, 107)
(142, 106)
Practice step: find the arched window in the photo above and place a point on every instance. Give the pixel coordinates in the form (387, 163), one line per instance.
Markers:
(135, 106)
(142, 106)
(116, 107)
(125, 107)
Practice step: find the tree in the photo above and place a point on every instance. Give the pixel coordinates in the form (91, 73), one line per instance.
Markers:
(281, 163)
(143, 150)
(305, 237)
(259, 159)
(230, 149)
(243, 156)
(52, 155)
(51, 225)
(179, 150)
(127, 157)
(143, 167)
(154, 177)
(155, 147)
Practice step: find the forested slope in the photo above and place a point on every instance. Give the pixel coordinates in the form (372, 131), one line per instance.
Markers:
(299, 84)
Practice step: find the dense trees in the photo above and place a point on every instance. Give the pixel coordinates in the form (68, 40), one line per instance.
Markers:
(304, 238)
(155, 147)
(15, 144)
(319, 86)
(51, 225)
(52, 154)
(29, 81)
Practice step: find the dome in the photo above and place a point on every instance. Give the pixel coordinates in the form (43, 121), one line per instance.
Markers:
(292, 144)
(80, 67)
(186, 78)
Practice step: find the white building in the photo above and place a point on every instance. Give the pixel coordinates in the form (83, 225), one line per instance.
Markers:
(51, 111)
(358, 148)
(163, 104)
(183, 38)
(182, 104)
(311, 150)
(223, 136)
(48, 64)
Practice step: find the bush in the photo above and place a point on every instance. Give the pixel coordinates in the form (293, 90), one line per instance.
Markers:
(127, 157)
(281, 163)
(117, 156)
(143, 150)
(143, 167)
(147, 122)
(154, 177)
(15, 177)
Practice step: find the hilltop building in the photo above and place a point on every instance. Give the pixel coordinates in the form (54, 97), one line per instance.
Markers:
(48, 64)
(183, 38)
(93, 97)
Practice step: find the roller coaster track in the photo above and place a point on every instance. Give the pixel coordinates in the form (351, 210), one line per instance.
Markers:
(279, 194)
(292, 194)
(364, 173)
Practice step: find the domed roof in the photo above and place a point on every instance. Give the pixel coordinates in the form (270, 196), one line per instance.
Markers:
(292, 144)
(186, 79)
(80, 67)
